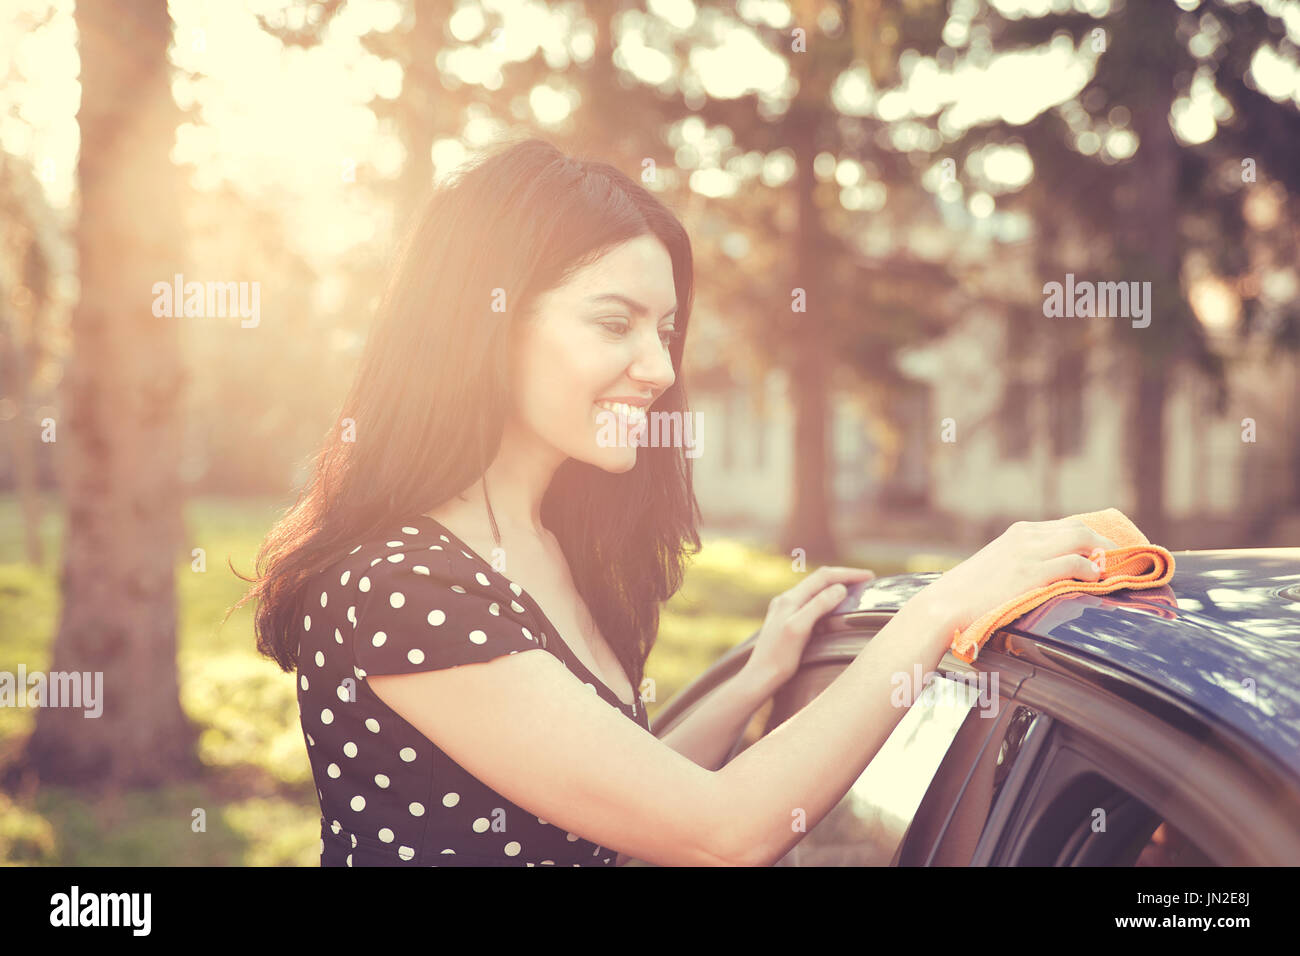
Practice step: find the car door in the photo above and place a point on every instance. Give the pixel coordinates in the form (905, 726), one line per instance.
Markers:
(1122, 779)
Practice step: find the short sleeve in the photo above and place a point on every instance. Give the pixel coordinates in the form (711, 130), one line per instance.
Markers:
(419, 614)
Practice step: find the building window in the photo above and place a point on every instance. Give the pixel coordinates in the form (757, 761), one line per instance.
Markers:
(867, 826)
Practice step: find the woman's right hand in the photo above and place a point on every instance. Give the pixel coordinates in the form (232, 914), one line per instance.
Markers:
(1028, 555)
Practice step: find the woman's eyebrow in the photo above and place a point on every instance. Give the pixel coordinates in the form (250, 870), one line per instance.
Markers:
(636, 307)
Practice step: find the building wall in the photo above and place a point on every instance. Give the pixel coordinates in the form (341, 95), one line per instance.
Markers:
(744, 473)
(1209, 471)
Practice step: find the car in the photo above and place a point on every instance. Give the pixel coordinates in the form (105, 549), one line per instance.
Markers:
(1138, 728)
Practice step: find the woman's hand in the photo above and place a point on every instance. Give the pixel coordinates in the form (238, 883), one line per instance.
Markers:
(1028, 555)
(790, 619)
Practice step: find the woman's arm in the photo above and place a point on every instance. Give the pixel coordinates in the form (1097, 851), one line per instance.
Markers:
(707, 733)
(782, 786)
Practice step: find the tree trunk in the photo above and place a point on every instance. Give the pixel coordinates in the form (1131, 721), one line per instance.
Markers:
(1149, 455)
(808, 525)
(123, 386)
(1149, 251)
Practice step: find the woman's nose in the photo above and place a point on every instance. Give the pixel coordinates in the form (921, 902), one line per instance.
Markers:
(654, 366)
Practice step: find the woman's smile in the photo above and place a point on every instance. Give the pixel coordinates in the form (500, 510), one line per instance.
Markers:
(634, 414)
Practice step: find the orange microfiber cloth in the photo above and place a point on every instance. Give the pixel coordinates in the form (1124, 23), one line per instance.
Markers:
(1136, 563)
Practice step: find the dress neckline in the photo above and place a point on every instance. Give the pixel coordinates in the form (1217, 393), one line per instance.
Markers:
(522, 593)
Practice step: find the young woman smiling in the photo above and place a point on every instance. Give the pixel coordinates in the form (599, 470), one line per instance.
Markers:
(476, 517)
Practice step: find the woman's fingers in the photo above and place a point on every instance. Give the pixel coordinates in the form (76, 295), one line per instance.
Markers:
(1075, 566)
(802, 620)
(1103, 542)
(1083, 539)
(799, 595)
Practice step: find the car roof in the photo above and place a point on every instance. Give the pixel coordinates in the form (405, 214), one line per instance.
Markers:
(1223, 637)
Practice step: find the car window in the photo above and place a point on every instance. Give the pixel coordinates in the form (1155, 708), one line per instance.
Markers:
(1120, 830)
(868, 824)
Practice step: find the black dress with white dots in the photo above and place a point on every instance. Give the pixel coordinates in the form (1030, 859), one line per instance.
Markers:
(418, 599)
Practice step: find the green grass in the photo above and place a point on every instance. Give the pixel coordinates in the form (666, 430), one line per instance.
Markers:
(256, 804)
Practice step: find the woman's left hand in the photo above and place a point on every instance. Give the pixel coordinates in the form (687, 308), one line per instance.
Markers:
(790, 619)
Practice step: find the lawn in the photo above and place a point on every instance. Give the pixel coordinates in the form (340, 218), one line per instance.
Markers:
(258, 802)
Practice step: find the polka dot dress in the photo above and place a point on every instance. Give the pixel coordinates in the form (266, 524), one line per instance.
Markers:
(418, 599)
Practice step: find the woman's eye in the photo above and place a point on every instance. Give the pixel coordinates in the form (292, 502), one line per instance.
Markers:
(667, 336)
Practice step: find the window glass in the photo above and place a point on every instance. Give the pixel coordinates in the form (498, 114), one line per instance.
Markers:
(1130, 834)
(867, 826)
(1092, 821)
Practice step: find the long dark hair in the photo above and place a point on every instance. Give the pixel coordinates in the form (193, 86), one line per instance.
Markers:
(429, 401)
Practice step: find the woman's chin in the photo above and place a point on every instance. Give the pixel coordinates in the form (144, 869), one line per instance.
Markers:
(615, 460)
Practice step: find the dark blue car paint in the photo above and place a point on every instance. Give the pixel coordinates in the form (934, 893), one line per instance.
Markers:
(1226, 644)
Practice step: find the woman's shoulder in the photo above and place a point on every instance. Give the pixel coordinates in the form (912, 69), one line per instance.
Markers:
(398, 552)
(412, 555)
(415, 601)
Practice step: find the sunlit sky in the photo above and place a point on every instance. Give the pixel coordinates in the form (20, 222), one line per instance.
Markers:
(294, 128)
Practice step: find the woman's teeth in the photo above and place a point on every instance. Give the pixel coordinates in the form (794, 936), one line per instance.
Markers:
(635, 414)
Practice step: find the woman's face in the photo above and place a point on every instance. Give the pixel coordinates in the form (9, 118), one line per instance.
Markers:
(602, 336)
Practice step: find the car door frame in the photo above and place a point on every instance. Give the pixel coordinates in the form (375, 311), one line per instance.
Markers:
(1146, 742)
(1063, 687)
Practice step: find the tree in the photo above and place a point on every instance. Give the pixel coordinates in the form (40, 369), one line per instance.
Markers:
(858, 310)
(120, 483)
(1146, 215)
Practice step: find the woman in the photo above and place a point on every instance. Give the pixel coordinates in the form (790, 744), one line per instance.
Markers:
(475, 503)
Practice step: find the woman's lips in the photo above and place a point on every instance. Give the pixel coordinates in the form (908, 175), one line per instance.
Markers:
(633, 425)
(633, 413)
